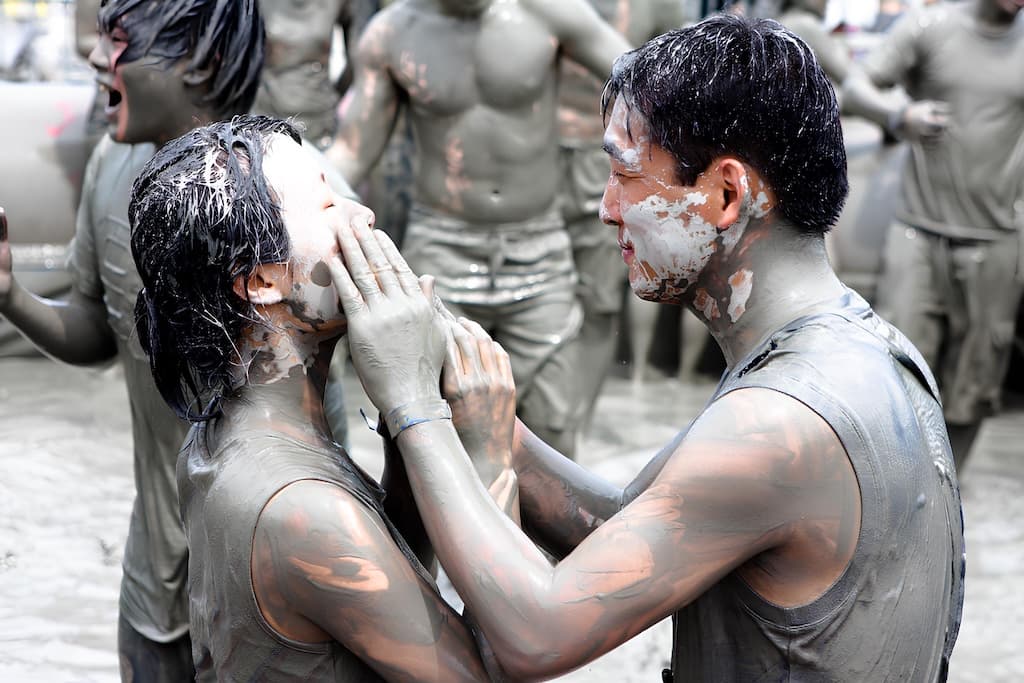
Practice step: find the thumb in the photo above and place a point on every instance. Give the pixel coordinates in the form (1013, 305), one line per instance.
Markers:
(427, 286)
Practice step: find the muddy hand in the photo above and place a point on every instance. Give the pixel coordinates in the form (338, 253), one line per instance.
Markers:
(478, 384)
(925, 121)
(6, 279)
(397, 342)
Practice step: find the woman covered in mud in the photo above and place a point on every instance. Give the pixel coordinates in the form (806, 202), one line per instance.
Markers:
(297, 571)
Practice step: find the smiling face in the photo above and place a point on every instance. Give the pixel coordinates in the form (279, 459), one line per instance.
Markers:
(310, 210)
(665, 229)
(148, 99)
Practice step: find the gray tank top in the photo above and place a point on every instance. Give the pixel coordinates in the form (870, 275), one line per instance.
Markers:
(222, 494)
(895, 612)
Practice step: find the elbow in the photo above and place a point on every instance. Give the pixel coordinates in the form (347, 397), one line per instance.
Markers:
(540, 656)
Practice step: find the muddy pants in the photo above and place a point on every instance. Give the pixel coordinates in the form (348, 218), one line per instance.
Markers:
(956, 300)
(516, 280)
(147, 661)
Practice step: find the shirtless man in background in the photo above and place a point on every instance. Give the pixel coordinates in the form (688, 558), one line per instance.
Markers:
(479, 80)
(296, 75)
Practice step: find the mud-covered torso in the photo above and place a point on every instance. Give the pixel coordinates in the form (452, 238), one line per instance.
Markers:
(296, 79)
(894, 613)
(968, 184)
(481, 93)
(225, 481)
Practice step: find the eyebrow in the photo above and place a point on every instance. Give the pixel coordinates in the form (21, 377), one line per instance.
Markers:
(613, 151)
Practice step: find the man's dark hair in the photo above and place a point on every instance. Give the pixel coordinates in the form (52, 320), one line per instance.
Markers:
(730, 85)
(203, 215)
(223, 40)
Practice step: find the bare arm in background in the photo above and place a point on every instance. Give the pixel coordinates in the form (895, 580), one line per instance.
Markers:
(370, 107)
(354, 16)
(74, 331)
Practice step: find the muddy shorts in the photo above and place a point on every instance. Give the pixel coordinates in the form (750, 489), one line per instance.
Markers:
(595, 247)
(956, 300)
(517, 280)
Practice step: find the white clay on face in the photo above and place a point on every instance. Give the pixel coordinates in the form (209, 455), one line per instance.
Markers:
(303, 195)
(672, 243)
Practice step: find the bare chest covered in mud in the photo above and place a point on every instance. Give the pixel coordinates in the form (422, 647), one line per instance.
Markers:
(504, 60)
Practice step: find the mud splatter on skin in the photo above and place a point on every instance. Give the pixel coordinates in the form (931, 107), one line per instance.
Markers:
(321, 275)
(741, 283)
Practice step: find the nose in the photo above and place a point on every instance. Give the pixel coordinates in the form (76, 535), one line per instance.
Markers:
(99, 58)
(608, 212)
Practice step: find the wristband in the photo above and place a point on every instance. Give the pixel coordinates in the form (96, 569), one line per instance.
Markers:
(416, 412)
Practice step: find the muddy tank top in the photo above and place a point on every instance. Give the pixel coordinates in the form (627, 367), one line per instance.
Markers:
(895, 612)
(222, 494)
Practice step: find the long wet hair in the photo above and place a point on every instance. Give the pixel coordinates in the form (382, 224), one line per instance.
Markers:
(749, 88)
(202, 215)
(222, 39)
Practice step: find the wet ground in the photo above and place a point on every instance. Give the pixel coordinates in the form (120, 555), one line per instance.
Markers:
(66, 492)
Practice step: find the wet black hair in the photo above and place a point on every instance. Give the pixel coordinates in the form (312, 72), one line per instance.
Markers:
(202, 215)
(731, 85)
(222, 39)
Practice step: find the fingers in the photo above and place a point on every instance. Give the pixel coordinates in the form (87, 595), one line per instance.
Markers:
(485, 347)
(357, 267)
(504, 363)
(406, 278)
(375, 258)
(468, 350)
(351, 298)
(3, 225)
(453, 367)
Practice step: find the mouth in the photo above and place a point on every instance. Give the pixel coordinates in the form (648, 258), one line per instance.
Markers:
(624, 244)
(114, 100)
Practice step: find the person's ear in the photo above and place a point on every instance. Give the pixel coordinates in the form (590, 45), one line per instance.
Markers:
(198, 75)
(733, 185)
(268, 284)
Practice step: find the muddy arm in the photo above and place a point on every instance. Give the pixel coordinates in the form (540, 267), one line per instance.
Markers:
(369, 109)
(74, 331)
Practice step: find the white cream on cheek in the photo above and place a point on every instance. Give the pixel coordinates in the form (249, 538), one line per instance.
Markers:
(672, 242)
(303, 193)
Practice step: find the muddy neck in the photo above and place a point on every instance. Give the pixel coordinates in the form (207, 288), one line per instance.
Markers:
(281, 388)
(783, 275)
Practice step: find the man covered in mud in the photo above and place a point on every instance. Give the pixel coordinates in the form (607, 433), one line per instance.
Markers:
(297, 571)
(296, 73)
(165, 67)
(806, 525)
(479, 80)
(585, 169)
(954, 264)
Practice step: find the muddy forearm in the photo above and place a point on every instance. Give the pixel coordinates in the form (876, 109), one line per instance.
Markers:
(862, 98)
(400, 506)
(490, 561)
(561, 502)
(73, 331)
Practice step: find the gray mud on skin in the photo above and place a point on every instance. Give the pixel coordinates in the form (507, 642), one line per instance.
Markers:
(66, 495)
